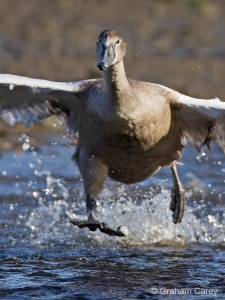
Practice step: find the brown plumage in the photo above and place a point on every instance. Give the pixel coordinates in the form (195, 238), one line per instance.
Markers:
(127, 129)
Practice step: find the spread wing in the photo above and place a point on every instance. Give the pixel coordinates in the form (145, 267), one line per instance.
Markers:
(201, 121)
(28, 101)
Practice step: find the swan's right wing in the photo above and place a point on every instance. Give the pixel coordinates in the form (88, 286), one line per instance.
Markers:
(28, 101)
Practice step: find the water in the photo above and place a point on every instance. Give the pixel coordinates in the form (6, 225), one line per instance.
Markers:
(43, 256)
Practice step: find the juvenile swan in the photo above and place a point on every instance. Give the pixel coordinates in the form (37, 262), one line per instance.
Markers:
(127, 129)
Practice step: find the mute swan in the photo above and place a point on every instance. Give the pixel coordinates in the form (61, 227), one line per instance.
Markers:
(127, 129)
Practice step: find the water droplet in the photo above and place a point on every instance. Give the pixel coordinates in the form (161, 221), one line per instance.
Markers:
(25, 146)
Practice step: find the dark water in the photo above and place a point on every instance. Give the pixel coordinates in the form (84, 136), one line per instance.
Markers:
(43, 256)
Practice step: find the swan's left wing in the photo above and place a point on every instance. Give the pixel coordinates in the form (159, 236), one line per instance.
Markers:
(27, 101)
(201, 121)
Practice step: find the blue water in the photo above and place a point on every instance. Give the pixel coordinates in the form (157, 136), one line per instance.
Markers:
(43, 256)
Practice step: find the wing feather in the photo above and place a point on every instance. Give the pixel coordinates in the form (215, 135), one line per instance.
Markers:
(28, 101)
(201, 121)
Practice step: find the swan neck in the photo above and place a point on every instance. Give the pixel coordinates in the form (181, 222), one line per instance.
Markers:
(116, 80)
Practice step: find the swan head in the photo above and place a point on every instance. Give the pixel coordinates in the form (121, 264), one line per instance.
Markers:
(110, 49)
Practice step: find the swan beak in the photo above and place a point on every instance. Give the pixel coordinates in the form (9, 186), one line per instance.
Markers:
(106, 55)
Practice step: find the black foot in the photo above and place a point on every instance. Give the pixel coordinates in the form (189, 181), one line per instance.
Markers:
(177, 204)
(94, 225)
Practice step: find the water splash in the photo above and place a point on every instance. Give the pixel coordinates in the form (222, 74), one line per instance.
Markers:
(145, 220)
(143, 212)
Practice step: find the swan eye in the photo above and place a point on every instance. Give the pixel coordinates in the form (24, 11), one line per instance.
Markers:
(118, 41)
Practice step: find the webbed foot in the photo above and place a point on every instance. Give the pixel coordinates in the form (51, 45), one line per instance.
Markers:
(94, 225)
(177, 204)
(177, 197)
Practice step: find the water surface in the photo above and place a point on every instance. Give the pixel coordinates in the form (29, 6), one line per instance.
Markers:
(43, 256)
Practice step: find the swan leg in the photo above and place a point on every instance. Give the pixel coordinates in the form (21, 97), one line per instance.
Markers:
(177, 196)
(94, 173)
(91, 206)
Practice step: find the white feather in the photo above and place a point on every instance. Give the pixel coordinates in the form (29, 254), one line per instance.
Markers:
(28, 101)
(202, 120)
(213, 108)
